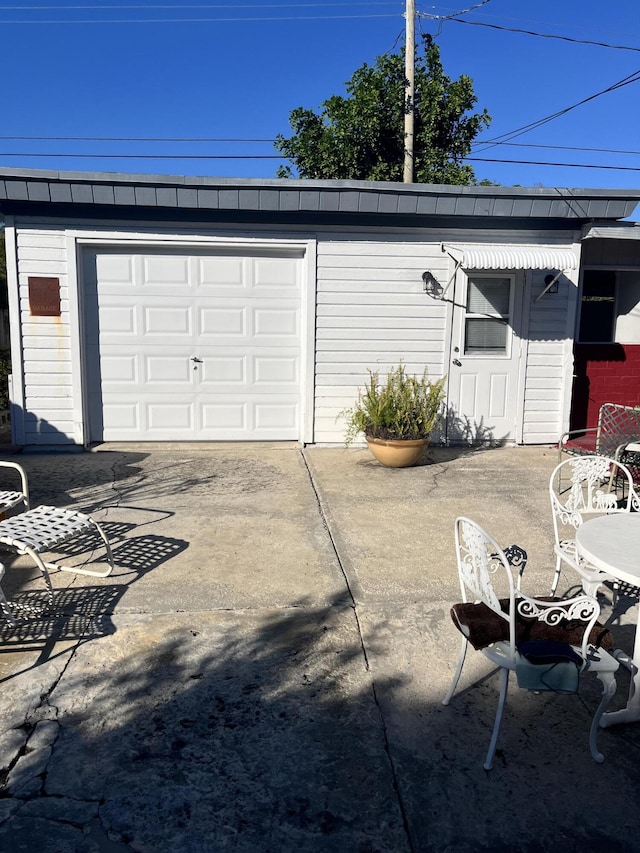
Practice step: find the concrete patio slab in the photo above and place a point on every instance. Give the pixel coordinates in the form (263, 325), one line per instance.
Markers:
(264, 670)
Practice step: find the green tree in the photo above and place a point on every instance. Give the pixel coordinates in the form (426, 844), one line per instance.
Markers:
(361, 136)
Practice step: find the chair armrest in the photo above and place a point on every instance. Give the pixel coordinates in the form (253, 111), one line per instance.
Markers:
(565, 435)
(24, 483)
(584, 569)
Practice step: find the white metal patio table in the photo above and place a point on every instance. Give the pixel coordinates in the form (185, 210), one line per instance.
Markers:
(612, 544)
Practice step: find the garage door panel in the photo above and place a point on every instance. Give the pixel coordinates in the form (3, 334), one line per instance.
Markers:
(224, 370)
(223, 416)
(123, 417)
(280, 322)
(194, 345)
(226, 321)
(275, 275)
(162, 415)
(166, 271)
(281, 371)
(218, 274)
(172, 321)
(118, 320)
(270, 416)
(115, 269)
(163, 369)
(120, 369)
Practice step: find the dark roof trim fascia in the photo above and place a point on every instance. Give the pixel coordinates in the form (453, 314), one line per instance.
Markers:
(306, 198)
(136, 215)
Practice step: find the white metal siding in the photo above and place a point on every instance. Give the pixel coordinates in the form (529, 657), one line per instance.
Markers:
(548, 366)
(372, 311)
(46, 341)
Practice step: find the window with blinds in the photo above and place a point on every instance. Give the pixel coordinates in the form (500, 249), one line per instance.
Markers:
(487, 316)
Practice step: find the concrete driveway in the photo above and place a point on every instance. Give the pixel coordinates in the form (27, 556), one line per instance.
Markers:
(264, 670)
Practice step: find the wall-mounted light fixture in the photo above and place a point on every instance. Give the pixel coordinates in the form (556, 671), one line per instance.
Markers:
(550, 285)
(431, 285)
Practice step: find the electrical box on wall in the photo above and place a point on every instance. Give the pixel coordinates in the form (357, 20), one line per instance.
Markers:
(44, 296)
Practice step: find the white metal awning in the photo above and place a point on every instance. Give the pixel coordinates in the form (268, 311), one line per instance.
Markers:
(502, 257)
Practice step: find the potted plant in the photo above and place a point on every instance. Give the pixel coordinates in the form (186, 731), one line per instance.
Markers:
(396, 415)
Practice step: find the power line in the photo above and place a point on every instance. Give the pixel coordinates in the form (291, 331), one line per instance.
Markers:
(545, 163)
(201, 20)
(129, 139)
(279, 157)
(532, 33)
(561, 147)
(271, 141)
(578, 23)
(503, 137)
(453, 14)
(199, 6)
(148, 156)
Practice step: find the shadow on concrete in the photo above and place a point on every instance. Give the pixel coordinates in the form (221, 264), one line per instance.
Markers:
(76, 616)
(65, 479)
(269, 732)
(462, 430)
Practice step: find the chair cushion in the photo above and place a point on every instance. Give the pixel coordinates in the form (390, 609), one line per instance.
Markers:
(583, 444)
(482, 626)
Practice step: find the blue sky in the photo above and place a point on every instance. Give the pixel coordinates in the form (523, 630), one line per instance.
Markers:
(234, 71)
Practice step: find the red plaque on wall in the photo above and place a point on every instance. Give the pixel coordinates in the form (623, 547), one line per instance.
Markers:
(44, 296)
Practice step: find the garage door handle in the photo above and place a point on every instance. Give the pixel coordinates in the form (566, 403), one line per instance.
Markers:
(196, 359)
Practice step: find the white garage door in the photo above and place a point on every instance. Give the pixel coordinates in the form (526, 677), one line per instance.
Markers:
(193, 345)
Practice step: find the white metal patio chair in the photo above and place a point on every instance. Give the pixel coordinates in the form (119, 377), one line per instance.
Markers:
(47, 528)
(579, 488)
(497, 626)
(8, 498)
(617, 436)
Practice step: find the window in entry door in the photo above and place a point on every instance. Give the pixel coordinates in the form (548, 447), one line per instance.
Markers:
(486, 323)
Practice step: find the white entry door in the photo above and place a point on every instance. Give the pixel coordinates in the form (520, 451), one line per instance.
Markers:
(187, 345)
(485, 359)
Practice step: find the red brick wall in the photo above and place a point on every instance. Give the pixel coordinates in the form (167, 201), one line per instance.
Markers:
(605, 373)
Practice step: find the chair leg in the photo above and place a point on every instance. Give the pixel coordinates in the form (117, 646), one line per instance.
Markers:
(556, 576)
(504, 683)
(40, 563)
(456, 676)
(608, 689)
(90, 572)
(5, 608)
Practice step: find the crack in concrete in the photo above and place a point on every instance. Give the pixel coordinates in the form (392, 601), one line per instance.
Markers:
(31, 763)
(35, 720)
(354, 607)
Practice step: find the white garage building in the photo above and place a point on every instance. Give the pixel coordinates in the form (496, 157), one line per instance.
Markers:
(149, 308)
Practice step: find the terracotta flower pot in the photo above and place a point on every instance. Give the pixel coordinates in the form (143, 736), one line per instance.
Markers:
(397, 453)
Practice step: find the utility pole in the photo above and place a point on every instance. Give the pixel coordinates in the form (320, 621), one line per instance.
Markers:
(409, 65)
